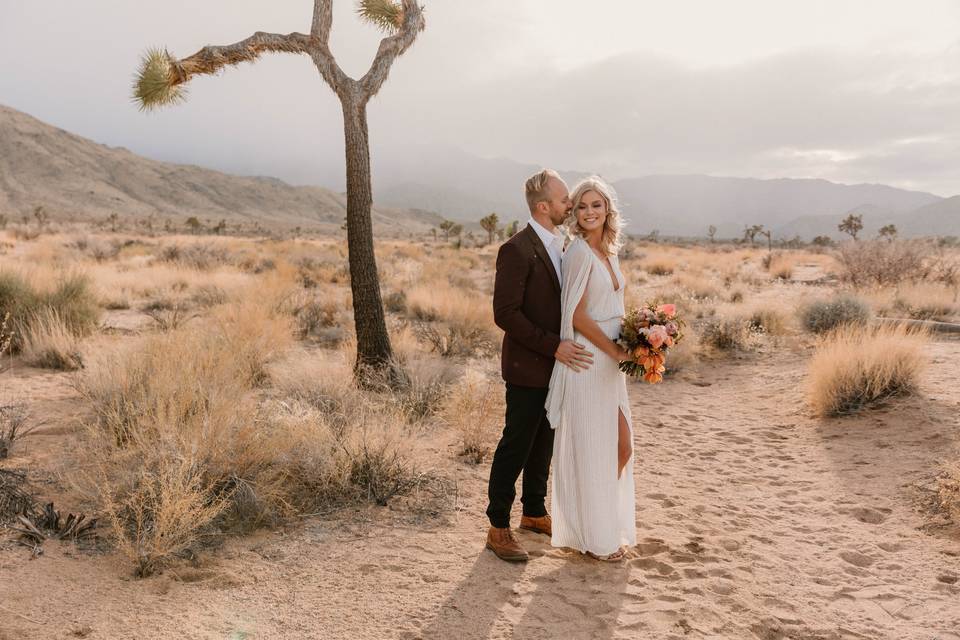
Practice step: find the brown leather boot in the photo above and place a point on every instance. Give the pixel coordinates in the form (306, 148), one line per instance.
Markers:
(543, 524)
(503, 543)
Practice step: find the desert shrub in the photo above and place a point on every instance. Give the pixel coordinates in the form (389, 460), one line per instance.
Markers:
(926, 301)
(698, 288)
(48, 343)
(780, 265)
(70, 298)
(454, 340)
(395, 302)
(769, 320)
(208, 295)
(726, 333)
(821, 316)
(736, 296)
(658, 266)
(197, 255)
(881, 262)
(178, 435)
(856, 366)
(421, 398)
(13, 426)
(474, 408)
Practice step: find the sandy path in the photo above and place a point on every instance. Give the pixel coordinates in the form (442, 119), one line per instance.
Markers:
(755, 522)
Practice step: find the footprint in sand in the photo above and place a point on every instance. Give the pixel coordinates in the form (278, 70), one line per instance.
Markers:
(870, 515)
(856, 558)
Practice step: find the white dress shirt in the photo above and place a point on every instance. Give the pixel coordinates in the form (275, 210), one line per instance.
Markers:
(553, 241)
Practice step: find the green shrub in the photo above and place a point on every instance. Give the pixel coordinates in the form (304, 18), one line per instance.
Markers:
(825, 315)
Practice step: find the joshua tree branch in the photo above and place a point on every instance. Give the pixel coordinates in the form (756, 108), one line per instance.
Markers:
(211, 59)
(391, 47)
(322, 20)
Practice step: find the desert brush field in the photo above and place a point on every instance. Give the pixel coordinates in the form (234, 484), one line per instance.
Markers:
(192, 398)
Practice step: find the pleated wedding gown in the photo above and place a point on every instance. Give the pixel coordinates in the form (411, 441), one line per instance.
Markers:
(592, 509)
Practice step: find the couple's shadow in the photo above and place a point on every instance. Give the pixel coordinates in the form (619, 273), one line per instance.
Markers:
(575, 597)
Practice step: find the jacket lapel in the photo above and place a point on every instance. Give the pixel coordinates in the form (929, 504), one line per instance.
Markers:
(541, 253)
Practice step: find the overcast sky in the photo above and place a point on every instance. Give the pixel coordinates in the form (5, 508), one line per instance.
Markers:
(847, 90)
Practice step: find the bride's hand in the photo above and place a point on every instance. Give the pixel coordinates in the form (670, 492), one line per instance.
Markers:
(622, 354)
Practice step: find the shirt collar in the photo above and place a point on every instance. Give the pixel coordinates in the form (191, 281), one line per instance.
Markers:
(546, 237)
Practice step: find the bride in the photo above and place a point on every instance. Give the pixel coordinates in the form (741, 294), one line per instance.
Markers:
(593, 491)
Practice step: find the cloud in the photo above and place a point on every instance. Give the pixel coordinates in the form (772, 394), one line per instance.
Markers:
(845, 116)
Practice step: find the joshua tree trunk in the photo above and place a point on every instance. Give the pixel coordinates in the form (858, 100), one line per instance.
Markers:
(373, 342)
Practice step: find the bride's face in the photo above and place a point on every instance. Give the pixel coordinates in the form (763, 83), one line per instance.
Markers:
(591, 211)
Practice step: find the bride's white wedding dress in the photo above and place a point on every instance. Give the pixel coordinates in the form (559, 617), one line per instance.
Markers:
(592, 509)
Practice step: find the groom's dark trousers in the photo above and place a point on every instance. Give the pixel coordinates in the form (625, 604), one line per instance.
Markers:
(526, 305)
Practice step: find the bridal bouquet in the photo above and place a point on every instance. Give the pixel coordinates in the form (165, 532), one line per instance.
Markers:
(647, 333)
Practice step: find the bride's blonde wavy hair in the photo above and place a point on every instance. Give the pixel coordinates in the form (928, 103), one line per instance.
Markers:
(611, 240)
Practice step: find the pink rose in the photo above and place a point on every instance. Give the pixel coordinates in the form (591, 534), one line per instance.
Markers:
(669, 309)
(656, 335)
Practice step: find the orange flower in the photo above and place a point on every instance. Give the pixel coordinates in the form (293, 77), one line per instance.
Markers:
(652, 377)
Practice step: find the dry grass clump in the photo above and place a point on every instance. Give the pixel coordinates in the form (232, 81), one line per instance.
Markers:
(927, 301)
(452, 322)
(697, 287)
(474, 408)
(659, 266)
(769, 320)
(178, 437)
(196, 255)
(780, 265)
(48, 343)
(820, 316)
(13, 426)
(28, 300)
(320, 316)
(726, 332)
(857, 366)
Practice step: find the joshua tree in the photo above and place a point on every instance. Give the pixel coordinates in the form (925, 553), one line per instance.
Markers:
(750, 233)
(194, 224)
(160, 82)
(490, 224)
(511, 229)
(769, 235)
(822, 241)
(41, 215)
(851, 225)
(447, 226)
(711, 232)
(888, 231)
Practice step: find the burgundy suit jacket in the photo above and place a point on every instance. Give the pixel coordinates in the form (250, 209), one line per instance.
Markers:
(526, 305)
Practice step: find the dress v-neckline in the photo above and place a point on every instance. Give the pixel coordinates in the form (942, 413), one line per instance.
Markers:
(612, 271)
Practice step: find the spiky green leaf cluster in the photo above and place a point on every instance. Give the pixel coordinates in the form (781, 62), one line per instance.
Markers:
(153, 86)
(386, 15)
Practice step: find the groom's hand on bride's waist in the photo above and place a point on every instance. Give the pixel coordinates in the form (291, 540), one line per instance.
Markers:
(574, 355)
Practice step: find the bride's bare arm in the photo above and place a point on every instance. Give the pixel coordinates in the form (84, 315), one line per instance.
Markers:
(587, 326)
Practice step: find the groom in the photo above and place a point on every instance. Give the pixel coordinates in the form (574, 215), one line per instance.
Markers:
(526, 305)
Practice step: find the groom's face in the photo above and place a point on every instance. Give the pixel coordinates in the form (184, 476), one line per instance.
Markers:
(558, 202)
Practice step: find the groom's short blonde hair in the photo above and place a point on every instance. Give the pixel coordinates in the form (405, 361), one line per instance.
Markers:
(536, 187)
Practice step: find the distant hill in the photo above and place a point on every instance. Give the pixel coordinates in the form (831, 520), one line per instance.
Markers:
(687, 205)
(43, 165)
(458, 185)
(465, 188)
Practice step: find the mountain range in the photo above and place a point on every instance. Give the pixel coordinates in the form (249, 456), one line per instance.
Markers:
(41, 164)
(466, 188)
